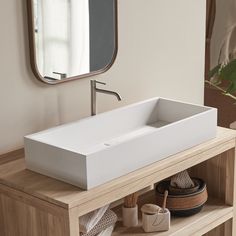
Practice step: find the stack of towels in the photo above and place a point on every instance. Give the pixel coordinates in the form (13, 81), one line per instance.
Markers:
(100, 222)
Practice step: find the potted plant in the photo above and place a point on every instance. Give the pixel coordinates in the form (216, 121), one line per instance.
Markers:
(223, 76)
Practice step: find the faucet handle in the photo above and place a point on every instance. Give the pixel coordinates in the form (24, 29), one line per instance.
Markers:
(98, 82)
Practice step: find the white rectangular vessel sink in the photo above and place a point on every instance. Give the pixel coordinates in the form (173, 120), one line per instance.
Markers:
(92, 151)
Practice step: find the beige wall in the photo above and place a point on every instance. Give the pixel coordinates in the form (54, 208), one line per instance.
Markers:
(161, 53)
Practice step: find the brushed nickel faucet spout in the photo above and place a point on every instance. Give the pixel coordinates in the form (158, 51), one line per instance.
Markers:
(95, 90)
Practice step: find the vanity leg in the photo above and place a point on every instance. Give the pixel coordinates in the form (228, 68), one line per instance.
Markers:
(230, 191)
(221, 182)
(72, 223)
(21, 215)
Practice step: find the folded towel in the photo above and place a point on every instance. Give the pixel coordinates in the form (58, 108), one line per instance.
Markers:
(88, 221)
(109, 219)
(107, 232)
(182, 180)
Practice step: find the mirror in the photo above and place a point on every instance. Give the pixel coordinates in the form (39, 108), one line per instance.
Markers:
(71, 39)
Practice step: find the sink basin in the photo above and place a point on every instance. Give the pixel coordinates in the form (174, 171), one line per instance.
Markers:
(92, 151)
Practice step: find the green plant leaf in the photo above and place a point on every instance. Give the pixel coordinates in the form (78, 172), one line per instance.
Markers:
(232, 86)
(216, 80)
(220, 73)
(228, 72)
(214, 71)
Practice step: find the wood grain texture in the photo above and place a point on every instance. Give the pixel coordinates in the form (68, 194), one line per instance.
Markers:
(217, 231)
(73, 222)
(231, 195)
(219, 174)
(68, 196)
(223, 229)
(32, 201)
(11, 156)
(19, 219)
(215, 178)
(213, 214)
(53, 208)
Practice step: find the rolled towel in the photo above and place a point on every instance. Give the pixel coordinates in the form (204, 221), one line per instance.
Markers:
(182, 180)
(88, 221)
(109, 219)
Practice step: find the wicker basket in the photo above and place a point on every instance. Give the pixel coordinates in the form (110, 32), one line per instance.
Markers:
(183, 204)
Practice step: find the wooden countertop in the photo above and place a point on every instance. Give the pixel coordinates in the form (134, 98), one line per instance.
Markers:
(14, 175)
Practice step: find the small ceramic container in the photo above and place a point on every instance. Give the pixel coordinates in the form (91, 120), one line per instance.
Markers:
(155, 222)
(130, 216)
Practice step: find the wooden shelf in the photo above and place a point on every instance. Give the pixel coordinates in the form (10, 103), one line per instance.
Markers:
(68, 196)
(213, 214)
(53, 208)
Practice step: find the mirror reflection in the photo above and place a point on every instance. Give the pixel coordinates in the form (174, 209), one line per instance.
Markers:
(72, 38)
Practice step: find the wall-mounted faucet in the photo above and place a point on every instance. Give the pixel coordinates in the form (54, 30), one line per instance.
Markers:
(95, 90)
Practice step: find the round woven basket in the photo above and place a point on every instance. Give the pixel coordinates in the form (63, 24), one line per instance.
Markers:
(183, 204)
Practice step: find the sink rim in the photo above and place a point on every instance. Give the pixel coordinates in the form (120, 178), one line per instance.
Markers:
(36, 136)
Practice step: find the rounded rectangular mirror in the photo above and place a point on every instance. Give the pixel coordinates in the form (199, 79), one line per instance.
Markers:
(71, 39)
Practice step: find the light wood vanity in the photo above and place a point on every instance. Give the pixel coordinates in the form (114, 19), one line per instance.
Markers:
(35, 205)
